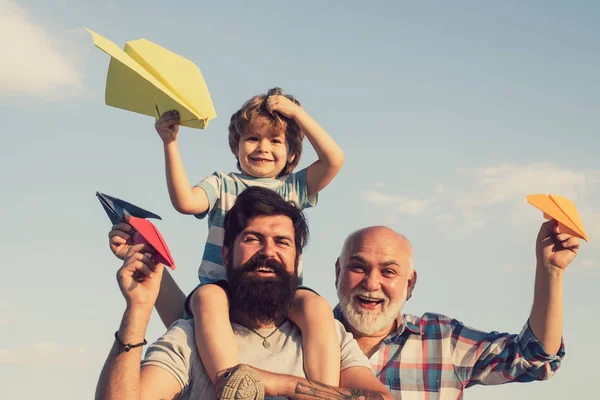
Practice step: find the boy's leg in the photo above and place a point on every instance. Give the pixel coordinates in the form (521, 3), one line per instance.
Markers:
(213, 332)
(320, 342)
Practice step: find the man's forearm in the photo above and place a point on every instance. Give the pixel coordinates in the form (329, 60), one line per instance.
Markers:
(120, 376)
(546, 320)
(297, 388)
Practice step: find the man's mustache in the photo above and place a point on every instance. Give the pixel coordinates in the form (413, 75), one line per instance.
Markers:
(261, 260)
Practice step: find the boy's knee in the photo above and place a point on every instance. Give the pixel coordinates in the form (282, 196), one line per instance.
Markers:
(207, 294)
(310, 303)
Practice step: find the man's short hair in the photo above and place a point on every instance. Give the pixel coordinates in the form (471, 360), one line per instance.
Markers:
(257, 202)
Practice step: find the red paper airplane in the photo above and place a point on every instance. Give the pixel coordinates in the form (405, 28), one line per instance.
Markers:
(148, 233)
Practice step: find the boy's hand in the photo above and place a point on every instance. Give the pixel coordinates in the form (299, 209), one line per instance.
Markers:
(167, 126)
(283, 105)
(121, 238)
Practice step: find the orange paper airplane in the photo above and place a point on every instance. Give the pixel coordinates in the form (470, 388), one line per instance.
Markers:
(562, 210)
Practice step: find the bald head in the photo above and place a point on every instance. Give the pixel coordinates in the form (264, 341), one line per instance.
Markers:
(378, 237)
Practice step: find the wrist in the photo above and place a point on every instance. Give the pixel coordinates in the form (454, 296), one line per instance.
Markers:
(549, 270)
(134, 324)
(272, 385)
(168, 144)
(299, 114)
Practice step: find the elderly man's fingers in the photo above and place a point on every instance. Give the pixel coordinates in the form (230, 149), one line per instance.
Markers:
(561, 237)
(571, 243)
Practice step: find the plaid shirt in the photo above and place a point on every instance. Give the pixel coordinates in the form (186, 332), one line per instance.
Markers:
(436, 357)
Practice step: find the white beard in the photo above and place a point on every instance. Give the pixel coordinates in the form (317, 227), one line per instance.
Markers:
(369, 322)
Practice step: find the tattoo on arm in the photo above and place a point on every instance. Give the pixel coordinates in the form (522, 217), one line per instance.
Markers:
(316, 390)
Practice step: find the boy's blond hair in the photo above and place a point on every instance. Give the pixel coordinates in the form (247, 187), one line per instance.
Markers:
(256, 107)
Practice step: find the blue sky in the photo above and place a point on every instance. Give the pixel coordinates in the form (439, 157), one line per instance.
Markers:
(449, 113)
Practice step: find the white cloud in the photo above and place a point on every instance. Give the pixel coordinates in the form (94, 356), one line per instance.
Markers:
(3, 304)
(587, 264)
(42, 354)
(399, 204)
(497, 184)
(472, 193)
(3, 321)
(35, 61)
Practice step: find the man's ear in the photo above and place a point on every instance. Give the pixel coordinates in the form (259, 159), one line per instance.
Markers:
(337, 271)
(224, 256)
(412, 281)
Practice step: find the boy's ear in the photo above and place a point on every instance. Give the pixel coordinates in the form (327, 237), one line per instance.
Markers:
(291, 158)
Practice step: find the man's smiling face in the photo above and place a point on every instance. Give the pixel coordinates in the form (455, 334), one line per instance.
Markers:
(374, 275)
(261, 268)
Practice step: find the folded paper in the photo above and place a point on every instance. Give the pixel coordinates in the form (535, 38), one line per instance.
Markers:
(562, 210)
(148, 79)
(117, 211)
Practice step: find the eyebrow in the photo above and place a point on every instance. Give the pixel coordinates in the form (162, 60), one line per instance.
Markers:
(359, 258)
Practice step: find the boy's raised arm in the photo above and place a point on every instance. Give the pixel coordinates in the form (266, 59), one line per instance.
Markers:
(185, 199)
(331, 157)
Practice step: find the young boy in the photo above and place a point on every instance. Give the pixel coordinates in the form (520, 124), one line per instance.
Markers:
(266, 137)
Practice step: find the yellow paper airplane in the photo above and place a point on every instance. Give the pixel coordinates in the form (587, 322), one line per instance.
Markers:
(562, 210)
(148, 79)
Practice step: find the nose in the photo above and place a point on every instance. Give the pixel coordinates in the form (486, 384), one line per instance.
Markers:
(371, 281)
(268, 248)
(263, 145)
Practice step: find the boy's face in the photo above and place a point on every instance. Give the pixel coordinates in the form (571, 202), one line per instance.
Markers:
(263, 151)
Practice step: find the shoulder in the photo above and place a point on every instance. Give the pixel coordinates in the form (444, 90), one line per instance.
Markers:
(428, 318)
(429, 322)
(175, 352)
(179, 338)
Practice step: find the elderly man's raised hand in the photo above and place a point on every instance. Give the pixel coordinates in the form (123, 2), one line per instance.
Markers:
(139, 278)
(555, 248)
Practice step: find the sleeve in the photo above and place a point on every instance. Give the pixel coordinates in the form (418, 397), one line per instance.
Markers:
(299, 188)
(173, 352)
(351, 354)
(492, 358)
(212, 187)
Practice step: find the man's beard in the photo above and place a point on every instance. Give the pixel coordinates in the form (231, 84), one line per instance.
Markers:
(264, 300)
(369, 322)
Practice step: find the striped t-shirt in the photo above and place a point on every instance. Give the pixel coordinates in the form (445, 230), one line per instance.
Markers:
(222, 190)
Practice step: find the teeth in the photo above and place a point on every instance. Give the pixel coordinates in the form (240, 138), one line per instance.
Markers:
(367, 298)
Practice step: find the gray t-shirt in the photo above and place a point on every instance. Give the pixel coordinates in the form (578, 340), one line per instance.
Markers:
(176, 352)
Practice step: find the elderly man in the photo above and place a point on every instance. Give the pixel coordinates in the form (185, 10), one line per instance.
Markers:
(264, 237)
(433, 356)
